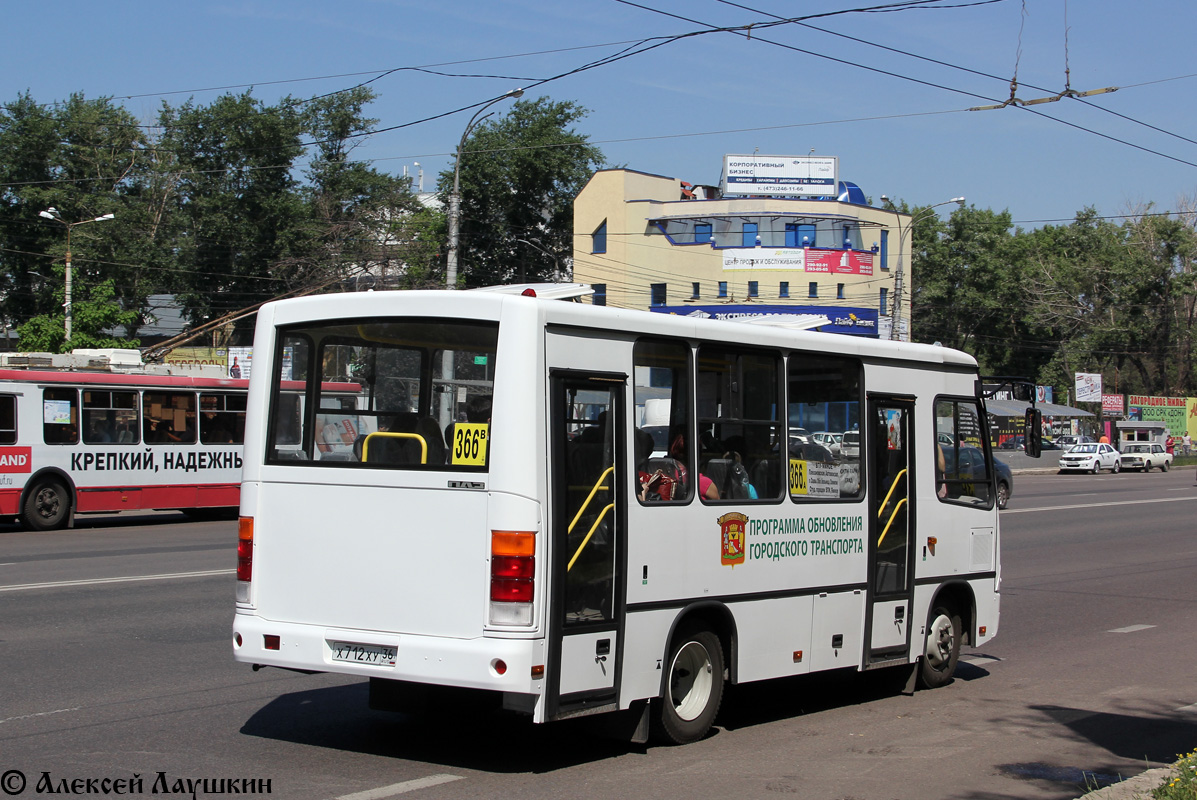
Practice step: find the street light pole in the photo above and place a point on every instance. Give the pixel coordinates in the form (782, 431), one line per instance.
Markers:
(896, 316)
(52, 214)
(455, 195)
(556, 262)
(448, 370)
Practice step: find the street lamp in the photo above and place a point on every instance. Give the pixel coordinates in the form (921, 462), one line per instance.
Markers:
(896, 316)
(51, 213)
(455, 195)
(447, 368)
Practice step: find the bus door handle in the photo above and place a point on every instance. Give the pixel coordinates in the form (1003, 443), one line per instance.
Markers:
(602, 647)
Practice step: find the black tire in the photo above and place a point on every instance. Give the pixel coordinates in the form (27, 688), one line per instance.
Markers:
(693, 688)
(941, 649)
(47, 505)
(1003, 495)
(1147, 467)
(1117, 466)
(1165, 466)
(1096, 466)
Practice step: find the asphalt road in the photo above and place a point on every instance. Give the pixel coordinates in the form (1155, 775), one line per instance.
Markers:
(1092, 676)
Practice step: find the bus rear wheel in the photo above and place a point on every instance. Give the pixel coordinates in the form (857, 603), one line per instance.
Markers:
(693, 688)
(47, 506)
(941, 651)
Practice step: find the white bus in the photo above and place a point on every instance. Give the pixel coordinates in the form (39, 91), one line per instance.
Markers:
(500, 524)
(102, 441)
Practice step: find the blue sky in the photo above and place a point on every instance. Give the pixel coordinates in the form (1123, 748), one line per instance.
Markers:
(677, 109)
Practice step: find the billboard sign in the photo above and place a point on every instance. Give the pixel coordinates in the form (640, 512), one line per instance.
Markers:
(787, 176)
(1088, 387)
(823, 262)
(1112, 405)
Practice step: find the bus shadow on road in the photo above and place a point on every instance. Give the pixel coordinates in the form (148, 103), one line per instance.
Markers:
(339, 718)
(769, 701)
(466, 737)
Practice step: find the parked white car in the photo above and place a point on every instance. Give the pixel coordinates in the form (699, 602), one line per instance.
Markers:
(829, 440)
(1144, 455)
(850, 445)
(1091, 458)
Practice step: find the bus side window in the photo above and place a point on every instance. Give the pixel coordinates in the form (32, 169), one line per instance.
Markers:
(739, 423)
(169, 417)
(661, 435)
(8, 419)
(60, 416)
(962, 474)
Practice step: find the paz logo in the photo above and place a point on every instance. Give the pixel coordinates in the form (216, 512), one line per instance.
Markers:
(732, 531)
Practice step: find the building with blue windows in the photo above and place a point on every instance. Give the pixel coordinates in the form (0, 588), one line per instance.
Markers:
(790, 248)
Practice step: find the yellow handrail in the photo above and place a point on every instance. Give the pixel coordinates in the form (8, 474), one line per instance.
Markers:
(598, 485)
(892, 517)
(390, 435)
(590, 533)
(881, 508)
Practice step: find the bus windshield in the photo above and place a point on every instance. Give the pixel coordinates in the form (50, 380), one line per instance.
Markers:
(384, 393)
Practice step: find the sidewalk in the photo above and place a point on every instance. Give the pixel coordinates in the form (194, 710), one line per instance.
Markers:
(1136, 788)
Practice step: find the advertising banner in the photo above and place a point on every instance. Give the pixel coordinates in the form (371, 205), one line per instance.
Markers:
(1112, 404)
(1088, 387)
(1173, 411)
(198, 356)
(812, 260)
(240, 362)
(791, 176)
(856, 321)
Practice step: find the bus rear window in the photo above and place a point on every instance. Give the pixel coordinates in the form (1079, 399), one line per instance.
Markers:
(384, 394)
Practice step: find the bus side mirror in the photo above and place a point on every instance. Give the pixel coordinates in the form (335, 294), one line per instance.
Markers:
(1031, 432)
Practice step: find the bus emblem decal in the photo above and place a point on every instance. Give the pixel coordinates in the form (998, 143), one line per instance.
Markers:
(732, 530)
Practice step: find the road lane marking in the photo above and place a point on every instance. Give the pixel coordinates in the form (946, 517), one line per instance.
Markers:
(39, 714)
(1099, 505)
(401, 788)
(1131, 629)
(127, 579)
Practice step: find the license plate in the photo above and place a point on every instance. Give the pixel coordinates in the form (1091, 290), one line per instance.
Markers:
(354, 653)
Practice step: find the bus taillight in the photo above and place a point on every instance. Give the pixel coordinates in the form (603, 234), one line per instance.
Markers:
(245, 549)
(512, 571)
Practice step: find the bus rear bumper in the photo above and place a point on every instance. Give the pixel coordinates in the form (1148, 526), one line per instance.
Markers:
(503, 665)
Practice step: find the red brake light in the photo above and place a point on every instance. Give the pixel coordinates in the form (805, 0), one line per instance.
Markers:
(245, 548)
(510, 590)
(528, 293)
(512, 566)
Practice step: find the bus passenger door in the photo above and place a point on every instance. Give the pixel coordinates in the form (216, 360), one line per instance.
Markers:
(891, 471)
(586, 610)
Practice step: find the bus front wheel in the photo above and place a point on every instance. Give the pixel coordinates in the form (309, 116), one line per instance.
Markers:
(47, 506)
(693, 689)
(942, 648)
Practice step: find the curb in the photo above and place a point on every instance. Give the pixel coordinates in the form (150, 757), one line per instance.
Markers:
(1134, 788)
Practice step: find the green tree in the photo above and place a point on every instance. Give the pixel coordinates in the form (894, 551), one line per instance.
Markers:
(90, 319)
(357, 217)
(519, 177)
(83, 158)
(237, 206)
